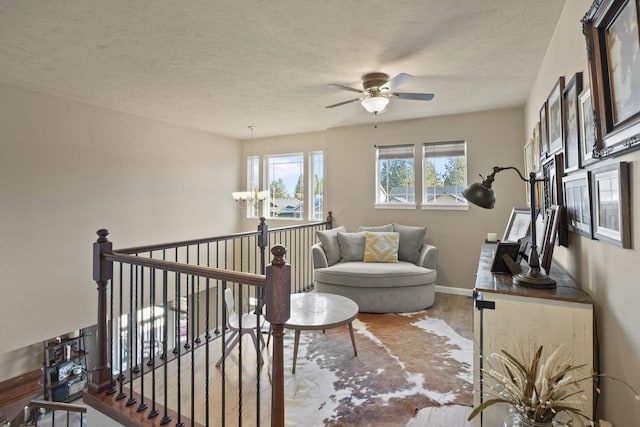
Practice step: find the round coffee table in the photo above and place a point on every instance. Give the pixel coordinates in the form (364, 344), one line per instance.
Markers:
(315, 310)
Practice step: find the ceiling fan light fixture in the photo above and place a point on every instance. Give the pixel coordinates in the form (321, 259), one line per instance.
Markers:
(375, 104)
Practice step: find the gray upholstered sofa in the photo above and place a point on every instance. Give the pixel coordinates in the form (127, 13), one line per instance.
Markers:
(406, 285)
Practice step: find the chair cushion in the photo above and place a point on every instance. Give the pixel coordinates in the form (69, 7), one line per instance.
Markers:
(378, 275)
(329, 240)
(411, 240)
(381, 246)
(351, 246)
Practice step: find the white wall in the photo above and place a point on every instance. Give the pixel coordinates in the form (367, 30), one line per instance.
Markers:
(493, 138)
(610, 274)
(68, 169)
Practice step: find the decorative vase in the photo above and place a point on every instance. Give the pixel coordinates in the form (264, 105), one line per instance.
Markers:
(515, 419)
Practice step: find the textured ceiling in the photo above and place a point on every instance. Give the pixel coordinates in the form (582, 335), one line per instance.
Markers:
(221, 65)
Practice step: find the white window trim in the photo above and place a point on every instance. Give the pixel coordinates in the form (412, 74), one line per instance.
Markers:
(265, 177)
(310, 188)
(442, 206)
(395, 206)
(391, 205)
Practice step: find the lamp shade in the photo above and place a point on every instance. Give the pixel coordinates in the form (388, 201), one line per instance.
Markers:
(375, 104)
(481, 195)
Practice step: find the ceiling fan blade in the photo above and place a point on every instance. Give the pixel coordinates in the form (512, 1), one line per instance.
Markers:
(413, 96)
(343, 102)
(395, 82)
(351, 89)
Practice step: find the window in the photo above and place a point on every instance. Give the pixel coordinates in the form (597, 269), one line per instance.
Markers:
(444, 174)
(253, 180)
(285, 178)
(317, 185)
(395, 176)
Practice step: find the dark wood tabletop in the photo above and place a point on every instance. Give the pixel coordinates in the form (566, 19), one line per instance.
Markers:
(486, 281)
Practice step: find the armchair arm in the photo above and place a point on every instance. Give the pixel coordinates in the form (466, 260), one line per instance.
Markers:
(428, 256)
(319, 256)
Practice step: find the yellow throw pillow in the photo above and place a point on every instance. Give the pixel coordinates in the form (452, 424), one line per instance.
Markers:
(381, 246)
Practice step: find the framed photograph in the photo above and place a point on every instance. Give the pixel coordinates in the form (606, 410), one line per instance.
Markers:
(505, 249)
(554, 116)
(544, 131)
(577, 199)
(611, 206)
(587, 132)
(612, 34)
(552, 194)
(551, 225)
(571, 142)
(535, 149)
(518, 225)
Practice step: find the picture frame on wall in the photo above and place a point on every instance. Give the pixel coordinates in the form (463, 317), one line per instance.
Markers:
(535, 149)
(577, 196)
(571, 140)
(587, 131)
(544, 131)
(611, 204)
(552, 172)
(612, 32)
(554, 117)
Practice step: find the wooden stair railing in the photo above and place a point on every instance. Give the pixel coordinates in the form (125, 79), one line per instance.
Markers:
(276, 285)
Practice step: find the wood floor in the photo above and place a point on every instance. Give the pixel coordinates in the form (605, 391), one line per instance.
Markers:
(456, 310)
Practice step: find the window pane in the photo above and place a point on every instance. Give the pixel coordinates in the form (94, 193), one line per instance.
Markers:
(285, 175)
(444, 173)
(253, 180)
(317, 189)
(395, 174)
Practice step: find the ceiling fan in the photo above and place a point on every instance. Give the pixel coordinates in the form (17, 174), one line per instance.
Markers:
(378, 90)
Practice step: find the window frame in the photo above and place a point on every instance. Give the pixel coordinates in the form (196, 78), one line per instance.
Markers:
(424, 157)
(311, 185)
(377, 183)
(267, 183)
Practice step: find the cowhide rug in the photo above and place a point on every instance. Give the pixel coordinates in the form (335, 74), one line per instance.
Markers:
(405, 362)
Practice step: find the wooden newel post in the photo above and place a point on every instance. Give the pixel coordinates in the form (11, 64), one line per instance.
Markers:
(278, 292)
(330, 220)
(100, 377)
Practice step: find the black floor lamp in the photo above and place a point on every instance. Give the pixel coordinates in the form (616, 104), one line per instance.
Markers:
(481, 194)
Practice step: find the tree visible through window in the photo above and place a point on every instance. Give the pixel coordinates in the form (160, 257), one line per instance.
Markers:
(285, 175)
(317, 185)
(444, 173)
(395, 175)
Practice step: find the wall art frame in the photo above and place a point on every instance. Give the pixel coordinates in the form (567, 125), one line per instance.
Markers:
(544, 131)
(611, 204)
(586, 117)
(612, 32)
(570, 124)
(536, 148)
(554, 117)
(577, 198)
(552, 173)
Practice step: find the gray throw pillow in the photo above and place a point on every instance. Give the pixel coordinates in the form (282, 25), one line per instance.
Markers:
(351, 246)
(411, 241)
(329, 240)
(377, 228)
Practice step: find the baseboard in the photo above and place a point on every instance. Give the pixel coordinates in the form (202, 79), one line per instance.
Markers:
(454, 291)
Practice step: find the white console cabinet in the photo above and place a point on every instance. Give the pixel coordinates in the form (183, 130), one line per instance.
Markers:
(517, 319)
